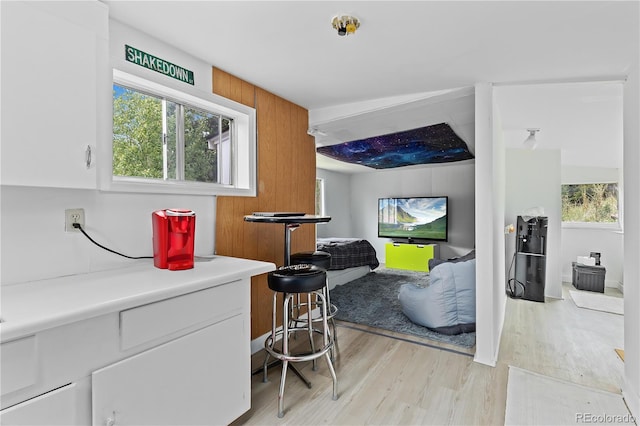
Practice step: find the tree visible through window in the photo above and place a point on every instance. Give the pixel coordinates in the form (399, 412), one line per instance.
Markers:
(157, 138)
(593, 202)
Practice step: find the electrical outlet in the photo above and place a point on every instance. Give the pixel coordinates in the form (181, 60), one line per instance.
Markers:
(72, 216)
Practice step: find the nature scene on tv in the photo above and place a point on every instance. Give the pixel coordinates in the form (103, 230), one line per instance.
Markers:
(419, 218)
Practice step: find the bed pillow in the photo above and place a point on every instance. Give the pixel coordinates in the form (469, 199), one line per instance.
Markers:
(448, 304)
(435, 262)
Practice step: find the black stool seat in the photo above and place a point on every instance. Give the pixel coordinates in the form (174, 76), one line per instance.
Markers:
(321, 259)
(297, 279)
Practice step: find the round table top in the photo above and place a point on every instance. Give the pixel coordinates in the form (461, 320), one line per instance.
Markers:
(307, 218)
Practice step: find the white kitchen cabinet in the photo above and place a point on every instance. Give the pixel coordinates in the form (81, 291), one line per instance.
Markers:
(140, 346)
(18, 364)
(55, 91)
(53, 408)
(194, 380)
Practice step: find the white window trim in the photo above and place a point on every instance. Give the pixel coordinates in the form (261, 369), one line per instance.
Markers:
(244, 150)
(322, 197)
(605, 226)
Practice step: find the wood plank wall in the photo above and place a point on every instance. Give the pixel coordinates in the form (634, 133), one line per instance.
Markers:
(286, 182)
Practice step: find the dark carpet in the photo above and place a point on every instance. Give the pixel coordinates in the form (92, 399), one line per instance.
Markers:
(373, 300)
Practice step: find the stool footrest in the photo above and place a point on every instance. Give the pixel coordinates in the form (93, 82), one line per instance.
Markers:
(331, 312)
(307, 356)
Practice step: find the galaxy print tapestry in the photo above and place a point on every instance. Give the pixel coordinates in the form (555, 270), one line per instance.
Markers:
(431, 144)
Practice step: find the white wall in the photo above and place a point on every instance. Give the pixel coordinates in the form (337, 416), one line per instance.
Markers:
(452, 180)
(121, 34)
(35, 245)
(337, 196)
(489, 224)
(631, 98)
(322, 115)
(533, 180)
(584, 174)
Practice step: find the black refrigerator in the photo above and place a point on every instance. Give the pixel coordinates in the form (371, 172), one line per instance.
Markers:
(531, 257)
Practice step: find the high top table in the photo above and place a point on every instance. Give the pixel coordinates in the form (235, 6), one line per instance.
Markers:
(290, 224)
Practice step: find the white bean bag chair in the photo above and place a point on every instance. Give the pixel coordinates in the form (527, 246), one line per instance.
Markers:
(448, 304)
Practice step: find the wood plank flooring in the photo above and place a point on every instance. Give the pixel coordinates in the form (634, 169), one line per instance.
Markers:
(396, 379)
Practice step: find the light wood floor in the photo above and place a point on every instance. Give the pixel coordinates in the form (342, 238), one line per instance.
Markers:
(385, 380)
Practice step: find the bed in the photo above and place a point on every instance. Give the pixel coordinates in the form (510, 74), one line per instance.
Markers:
(351, 258)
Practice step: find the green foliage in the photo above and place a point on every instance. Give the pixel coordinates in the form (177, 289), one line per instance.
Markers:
(201, 162)
(596, 202)
(137, 138)
(137, 135)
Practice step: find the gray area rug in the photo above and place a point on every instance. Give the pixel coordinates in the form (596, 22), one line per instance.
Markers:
(373, 300)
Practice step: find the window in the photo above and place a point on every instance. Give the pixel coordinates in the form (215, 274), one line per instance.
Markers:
(594, 203)
(151, 135)
(168, 141)
(320, 196)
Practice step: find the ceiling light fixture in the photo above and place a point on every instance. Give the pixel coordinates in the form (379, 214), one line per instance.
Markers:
(345, 25)
(531, 142)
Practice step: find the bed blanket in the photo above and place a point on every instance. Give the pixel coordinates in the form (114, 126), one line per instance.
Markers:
(348, 252)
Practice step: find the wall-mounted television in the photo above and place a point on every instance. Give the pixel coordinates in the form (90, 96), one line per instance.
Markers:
(415, 218)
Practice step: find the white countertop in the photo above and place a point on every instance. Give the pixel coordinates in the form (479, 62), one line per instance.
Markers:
(35, 306)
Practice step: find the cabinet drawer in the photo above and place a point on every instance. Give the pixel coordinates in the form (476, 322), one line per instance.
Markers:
(413, 257)
(203, 378)
(19, 364)
(57, 407)
(155, 320)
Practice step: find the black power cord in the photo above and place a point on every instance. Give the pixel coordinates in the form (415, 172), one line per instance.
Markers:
(513, 282)
(78, 226)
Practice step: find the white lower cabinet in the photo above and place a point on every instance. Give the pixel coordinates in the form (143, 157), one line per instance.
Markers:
(197, 379)
(57, 407)
(182, 360)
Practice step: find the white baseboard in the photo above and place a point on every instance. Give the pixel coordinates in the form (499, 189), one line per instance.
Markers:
(258, 344)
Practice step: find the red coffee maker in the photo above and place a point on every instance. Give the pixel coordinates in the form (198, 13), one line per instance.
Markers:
(173, 238)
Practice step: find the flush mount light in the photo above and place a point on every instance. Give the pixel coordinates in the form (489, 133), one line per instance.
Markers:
(531, 142)
(345, 24)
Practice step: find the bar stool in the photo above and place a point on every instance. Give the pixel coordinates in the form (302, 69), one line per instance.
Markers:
(291, 281)
(321, 259)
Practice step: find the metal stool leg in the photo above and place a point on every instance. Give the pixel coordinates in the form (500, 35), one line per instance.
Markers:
(285, 351)
(331, 313)
(266, 364)
(325, 336)
(273, 337)
(314, 362)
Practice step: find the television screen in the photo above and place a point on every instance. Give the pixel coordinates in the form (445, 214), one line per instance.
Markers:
(418, 218)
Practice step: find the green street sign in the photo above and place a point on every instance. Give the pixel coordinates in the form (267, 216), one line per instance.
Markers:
(154, 63)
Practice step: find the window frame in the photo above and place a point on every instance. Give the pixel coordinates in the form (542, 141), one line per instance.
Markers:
(321, 194)
(611, 226)
(243, 147)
